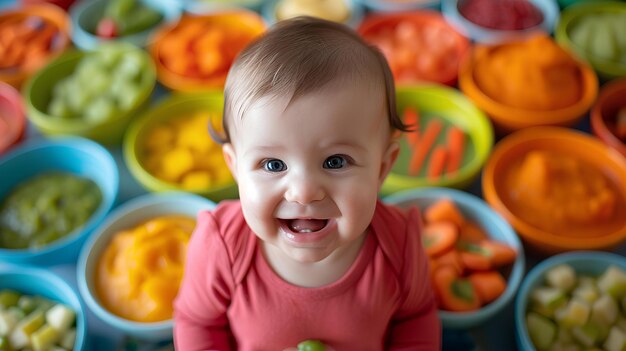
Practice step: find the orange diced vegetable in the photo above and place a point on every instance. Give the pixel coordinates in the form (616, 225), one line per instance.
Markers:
(444, 210)
(488, 285)
(475, 261)
(500, 254)
(453, 292)
(470, 232)
(438, 238)
(451, 258)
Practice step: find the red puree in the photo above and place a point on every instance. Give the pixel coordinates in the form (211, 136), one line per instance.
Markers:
(501, 14)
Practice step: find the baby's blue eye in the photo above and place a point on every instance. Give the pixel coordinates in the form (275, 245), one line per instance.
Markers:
(274, 165)
(335, 162)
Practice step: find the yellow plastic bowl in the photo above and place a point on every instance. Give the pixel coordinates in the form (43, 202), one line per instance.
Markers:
(172, 107)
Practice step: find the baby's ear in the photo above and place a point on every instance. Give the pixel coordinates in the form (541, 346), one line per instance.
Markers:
(231, 158)
(389, 158)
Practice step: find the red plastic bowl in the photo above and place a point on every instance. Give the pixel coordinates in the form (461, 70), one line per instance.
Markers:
(64, 4)
(12, 117)
(604, 112)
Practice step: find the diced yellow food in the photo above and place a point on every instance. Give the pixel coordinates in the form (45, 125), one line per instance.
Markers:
(197, 180)
(176, 163)
(160, 137)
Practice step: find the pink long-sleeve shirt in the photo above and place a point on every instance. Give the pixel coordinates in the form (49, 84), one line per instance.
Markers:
(231, 299)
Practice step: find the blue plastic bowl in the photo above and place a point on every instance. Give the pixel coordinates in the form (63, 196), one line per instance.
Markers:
(74, 155)
(35, 281)
(86, 14)
(497, 228)
(450, 9)
(399, 6)
(591, 263)
(128, 215)
(356, 12)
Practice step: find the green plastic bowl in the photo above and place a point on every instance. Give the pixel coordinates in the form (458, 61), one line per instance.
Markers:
(607, 69)
(172, 107)
(455, 109)
(38, 93)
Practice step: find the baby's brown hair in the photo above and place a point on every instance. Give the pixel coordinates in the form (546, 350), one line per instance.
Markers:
(300, 56)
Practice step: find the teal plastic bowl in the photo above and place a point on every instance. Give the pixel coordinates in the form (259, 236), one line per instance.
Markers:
(587, 262)
(453, 108)
(86, 14)
(35, 281)
(607, 69)
(128, 215)
(73, 155)
(38, 94)
(479, 34)
(475, 209)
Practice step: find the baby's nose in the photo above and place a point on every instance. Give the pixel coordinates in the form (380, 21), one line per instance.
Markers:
(304, 190)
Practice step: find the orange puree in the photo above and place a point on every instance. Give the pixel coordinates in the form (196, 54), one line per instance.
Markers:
(140, 271)
(535, 74)
(561, 194)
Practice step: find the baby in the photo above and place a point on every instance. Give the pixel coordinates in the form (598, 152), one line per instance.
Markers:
(308, 252)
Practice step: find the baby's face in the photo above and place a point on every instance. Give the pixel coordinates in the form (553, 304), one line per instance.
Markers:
(309, 173)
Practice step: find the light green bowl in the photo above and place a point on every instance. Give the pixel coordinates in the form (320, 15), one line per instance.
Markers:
(454, 108)
(38, 94)
(172, 107)
(607, 69)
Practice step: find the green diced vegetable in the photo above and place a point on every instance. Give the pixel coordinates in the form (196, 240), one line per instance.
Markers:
(68, 339)
(60, 317)
(8, 298)
(613, 282)
(8, 321)
(575, 313)
(546, 300)
(562, 277)
(542, 330)
(590, 334)
(616, 341)
(20, 336)
(587, 293)
(44, 337)
(604, 311)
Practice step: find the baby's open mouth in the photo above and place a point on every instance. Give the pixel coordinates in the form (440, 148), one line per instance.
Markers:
(309, 225)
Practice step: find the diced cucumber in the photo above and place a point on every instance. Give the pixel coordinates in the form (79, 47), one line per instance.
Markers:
(562, 276)
(613, 282)
(604, 311)
(590, 334)
(546, 300)
(542, 331)
(8, 298)
(616, 341)
(27, 304)
(585, 280)
(60, 317)
(621, 323)
(587, 293)
(575, 313)
(20, 336)
(68, 339)
(564, 346)
(44, 337)
(563, 335)
(4, 344)
(8, 320)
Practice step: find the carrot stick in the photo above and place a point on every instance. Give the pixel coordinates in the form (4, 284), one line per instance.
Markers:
(456, 142)
(437, 162)
(412, 118)
(444, 210)
(487, 285)
(421, 149)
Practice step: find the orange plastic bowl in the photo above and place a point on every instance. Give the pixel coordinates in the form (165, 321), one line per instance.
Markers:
(170, 52)
(52, 15)
(604, 112)
(509, 153)
(441, 68)
(507, 118)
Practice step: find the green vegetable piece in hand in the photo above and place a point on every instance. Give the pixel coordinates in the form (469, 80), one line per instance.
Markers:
(311, 345)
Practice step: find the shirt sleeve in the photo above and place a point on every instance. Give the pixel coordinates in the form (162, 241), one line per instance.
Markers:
(200, 320)
(416, 325)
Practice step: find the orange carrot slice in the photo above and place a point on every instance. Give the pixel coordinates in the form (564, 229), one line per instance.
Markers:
(486, 254)
(421, 149)
(453, 292)
(475, 261)
(412, 118)
(437, 162)
(487, 285)
(444, 210)
(472, 233)
(499, 253)
(438, 238)
(450, 258)
(456, 143)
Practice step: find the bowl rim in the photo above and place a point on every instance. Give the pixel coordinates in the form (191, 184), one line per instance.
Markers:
(467, 170)
(518, 117)
(16, 116)
(598, 124)
(74, 56)
(536, 236)
(548, 8)
(108, 200)
(423, 17)
(143, 121)
(124, 210)
(386, 6)
(60, 285)
(570, 14)
(85, 40)
(536, 273)
(268, 11)
(468, 200)
(180, 83)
